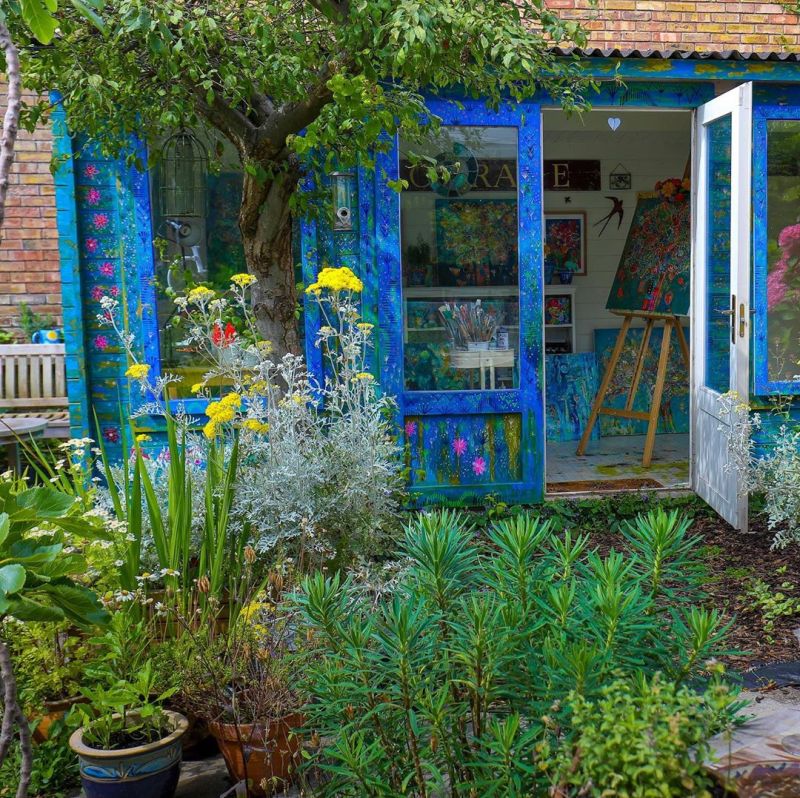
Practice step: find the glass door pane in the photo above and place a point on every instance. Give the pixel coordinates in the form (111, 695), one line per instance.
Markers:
(460, 262)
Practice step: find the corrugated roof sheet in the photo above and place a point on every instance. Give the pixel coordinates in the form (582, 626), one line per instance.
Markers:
(669, 53)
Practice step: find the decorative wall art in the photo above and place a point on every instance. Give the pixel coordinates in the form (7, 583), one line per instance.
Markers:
(674, 410)
(564, 243)
(619, 179)
(558, 309)
(653, 272)
(476, 241)
(617, 212)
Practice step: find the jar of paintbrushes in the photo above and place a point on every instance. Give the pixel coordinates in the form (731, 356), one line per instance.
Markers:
(469, 326)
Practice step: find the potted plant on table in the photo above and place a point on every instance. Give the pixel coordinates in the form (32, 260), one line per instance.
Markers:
(128, 744)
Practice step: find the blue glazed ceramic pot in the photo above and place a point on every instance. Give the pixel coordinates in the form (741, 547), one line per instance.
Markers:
(146, 771)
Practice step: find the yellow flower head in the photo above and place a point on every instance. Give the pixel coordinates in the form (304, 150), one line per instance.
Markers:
(197, 387)
(225, 409)
(364, 375)
(143, 438)
(210, 429)
(243, 279)
(365, 326)
(265, 347)
(256, 426)
(201, 295)
(335, 280)
(138, 371)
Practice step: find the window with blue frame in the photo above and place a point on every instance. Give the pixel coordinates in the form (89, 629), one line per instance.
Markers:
(195, 196)
(460, 260)
(783, 249)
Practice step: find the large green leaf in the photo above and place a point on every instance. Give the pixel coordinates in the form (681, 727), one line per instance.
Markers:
(12, 579)
(25, 609)
(78, 603)
(5, 527)
(45, 502)
(39, 17)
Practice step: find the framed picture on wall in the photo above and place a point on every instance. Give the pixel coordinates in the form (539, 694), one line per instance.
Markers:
(564, 243)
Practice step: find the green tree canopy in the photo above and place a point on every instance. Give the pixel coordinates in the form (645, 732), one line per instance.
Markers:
(285, 80)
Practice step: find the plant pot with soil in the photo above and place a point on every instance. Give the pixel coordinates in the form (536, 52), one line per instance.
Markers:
(128, 745)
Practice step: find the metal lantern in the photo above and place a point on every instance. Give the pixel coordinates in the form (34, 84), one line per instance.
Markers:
(184, 173)
(344, 198)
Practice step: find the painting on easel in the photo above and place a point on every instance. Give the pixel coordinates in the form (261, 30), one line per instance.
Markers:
(653, 272)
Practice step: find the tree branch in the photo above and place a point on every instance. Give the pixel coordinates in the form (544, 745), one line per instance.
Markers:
(11, 119)
(227, 119)
(13, 715)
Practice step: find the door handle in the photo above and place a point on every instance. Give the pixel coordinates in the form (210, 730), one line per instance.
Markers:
(742, 320)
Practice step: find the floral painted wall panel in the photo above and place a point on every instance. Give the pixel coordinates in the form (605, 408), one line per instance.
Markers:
(571, 384)
(674, 415)
(463, 450)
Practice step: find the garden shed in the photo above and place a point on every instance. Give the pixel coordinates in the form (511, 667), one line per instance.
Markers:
(669, 210)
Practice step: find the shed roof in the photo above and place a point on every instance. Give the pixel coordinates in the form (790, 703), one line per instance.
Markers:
(681, 55)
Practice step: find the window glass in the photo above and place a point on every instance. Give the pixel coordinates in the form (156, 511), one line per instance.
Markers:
(196, 193)
(783, 242)
(459, 256)
(718, 255)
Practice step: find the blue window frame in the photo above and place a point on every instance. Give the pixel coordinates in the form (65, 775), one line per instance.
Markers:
(776, 257)
(503, 429)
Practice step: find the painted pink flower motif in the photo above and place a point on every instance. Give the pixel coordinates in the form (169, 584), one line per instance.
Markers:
(97, 293)
(92, 245)
(479, 466)
(101, 343)
(111, 434)
(459, 446)
(106, 269)
(100, 221)
(93, 196)
(411, 429)
(91, 171)
(114, 291)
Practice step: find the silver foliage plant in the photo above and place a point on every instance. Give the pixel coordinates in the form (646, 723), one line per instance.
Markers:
(773, 471)
(320, 472)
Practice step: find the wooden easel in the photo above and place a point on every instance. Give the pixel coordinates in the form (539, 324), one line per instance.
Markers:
(651, 416)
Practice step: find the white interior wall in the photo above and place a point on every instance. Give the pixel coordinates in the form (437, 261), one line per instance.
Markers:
(652, 146)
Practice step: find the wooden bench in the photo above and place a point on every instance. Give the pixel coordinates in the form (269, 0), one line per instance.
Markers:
(33, 382)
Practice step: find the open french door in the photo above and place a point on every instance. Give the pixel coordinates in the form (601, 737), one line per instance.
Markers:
(720, 293)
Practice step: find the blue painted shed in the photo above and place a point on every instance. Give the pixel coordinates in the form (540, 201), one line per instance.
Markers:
(494, 358)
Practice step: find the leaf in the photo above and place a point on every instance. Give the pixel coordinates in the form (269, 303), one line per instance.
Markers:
(5, 526)
(89, 10)
(78, 603)
(12, 578)
(41, 22)
(25, 609)
(45, 502)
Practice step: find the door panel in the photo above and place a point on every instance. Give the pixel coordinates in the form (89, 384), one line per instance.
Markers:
(720, 293)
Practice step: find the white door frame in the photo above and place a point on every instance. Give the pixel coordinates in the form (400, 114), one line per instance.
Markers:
(712, 476)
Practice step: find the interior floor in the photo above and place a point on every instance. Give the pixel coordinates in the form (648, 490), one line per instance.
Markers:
(618, 459)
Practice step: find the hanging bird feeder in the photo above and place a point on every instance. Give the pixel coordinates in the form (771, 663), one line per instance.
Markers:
(184, 174)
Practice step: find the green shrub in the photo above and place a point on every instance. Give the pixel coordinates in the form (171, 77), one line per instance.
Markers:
(465, 677)
(640, 740)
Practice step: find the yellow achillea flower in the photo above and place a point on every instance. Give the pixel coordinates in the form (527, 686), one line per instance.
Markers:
(256, 426)
(365, 326)
(210, 429)
(224, 410)
(201, 295)
(335, 280)
(138, 371)
(197, 387)
(363, 375)
(142, 438)
(243, 279)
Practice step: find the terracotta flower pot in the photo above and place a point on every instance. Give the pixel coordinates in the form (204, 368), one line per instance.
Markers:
(264, 755)
(144, 771)
(54, 711)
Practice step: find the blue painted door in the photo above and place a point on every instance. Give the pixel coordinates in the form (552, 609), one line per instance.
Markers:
(459, 256)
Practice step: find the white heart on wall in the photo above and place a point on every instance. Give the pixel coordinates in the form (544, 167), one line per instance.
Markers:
(614, 122)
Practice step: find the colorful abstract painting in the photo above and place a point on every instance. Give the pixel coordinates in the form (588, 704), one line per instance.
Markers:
(476, 241)
(674, 412)
(653, 271)
(558, 309)
(564, 243)
(463, 450)
(571, 384)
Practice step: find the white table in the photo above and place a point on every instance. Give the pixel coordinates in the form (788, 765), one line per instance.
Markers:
(13, 430)
(483, 359)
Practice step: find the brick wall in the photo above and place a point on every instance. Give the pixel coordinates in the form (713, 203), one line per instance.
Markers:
(29, 265)
(703, 25)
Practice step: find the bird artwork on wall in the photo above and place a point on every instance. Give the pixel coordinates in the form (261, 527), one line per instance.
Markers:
(616, 210)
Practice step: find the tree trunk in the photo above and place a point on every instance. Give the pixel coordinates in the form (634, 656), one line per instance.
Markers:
(11, 119)
(266, 227)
